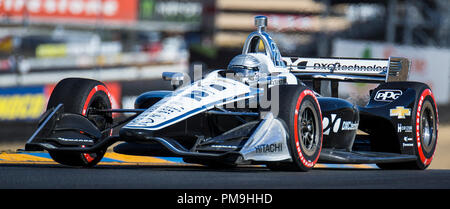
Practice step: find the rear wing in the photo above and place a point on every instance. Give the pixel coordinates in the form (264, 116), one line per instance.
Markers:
(349, 69)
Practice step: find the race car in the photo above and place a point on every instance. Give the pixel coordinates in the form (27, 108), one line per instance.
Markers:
(262, 109)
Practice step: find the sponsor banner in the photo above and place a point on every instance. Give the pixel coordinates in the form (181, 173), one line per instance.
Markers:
(28, 103)
(429, 65)
(78, 49)
(22, 103)
(104, 10)
(171, 10)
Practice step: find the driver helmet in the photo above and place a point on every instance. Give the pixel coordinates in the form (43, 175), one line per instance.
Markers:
(244, 65)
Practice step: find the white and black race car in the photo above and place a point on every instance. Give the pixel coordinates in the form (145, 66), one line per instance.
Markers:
(263, 109)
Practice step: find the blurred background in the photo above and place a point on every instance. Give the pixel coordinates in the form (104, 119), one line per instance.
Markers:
(128, 44)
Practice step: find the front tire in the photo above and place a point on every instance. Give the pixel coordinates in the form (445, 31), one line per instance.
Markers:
(300, 111)
(78, 96)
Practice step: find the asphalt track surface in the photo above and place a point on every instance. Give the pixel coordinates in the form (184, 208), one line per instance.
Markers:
(54, 176)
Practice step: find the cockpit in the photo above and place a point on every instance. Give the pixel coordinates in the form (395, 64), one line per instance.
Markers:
(245, 68)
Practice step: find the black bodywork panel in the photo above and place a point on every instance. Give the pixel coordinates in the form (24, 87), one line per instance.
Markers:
(340, 121)
(386, 127)
(59, 129)
(390, 132)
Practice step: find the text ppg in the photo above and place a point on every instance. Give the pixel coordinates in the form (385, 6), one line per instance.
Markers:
(387, 95)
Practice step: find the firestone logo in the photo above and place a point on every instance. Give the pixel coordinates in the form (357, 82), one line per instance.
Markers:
(62, 7)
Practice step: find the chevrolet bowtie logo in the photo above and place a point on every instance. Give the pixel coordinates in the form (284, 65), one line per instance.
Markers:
(400, 112)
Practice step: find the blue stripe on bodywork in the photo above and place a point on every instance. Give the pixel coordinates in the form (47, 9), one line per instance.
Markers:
(172, 159)
(110, 160)
(46, 155)
(39, 154)
(336, 165)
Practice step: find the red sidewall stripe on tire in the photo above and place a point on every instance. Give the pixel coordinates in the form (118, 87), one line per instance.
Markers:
(87, 156)
(91, 94)
(94, 90)
(423, 159)
(305, 162)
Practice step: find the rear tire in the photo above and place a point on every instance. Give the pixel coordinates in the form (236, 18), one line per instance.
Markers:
(300, 111)
(425, 131)
(78, 95)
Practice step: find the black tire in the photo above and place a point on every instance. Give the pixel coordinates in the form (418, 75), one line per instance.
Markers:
(78, 96)
(300, 111)
(425, 128)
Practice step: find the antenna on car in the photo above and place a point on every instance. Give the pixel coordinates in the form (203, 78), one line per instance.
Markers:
(261, 23)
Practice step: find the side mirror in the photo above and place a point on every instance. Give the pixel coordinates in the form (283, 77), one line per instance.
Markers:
(175, 78)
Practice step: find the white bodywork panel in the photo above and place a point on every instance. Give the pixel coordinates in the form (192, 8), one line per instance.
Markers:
(193, 99)
(268, 142)
(338, 65)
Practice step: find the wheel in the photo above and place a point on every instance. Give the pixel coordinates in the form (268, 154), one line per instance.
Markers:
(425, 128)
(300, 111)
(78, 96)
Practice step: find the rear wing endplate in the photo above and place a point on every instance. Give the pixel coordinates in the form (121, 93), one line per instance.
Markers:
(349, 69)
